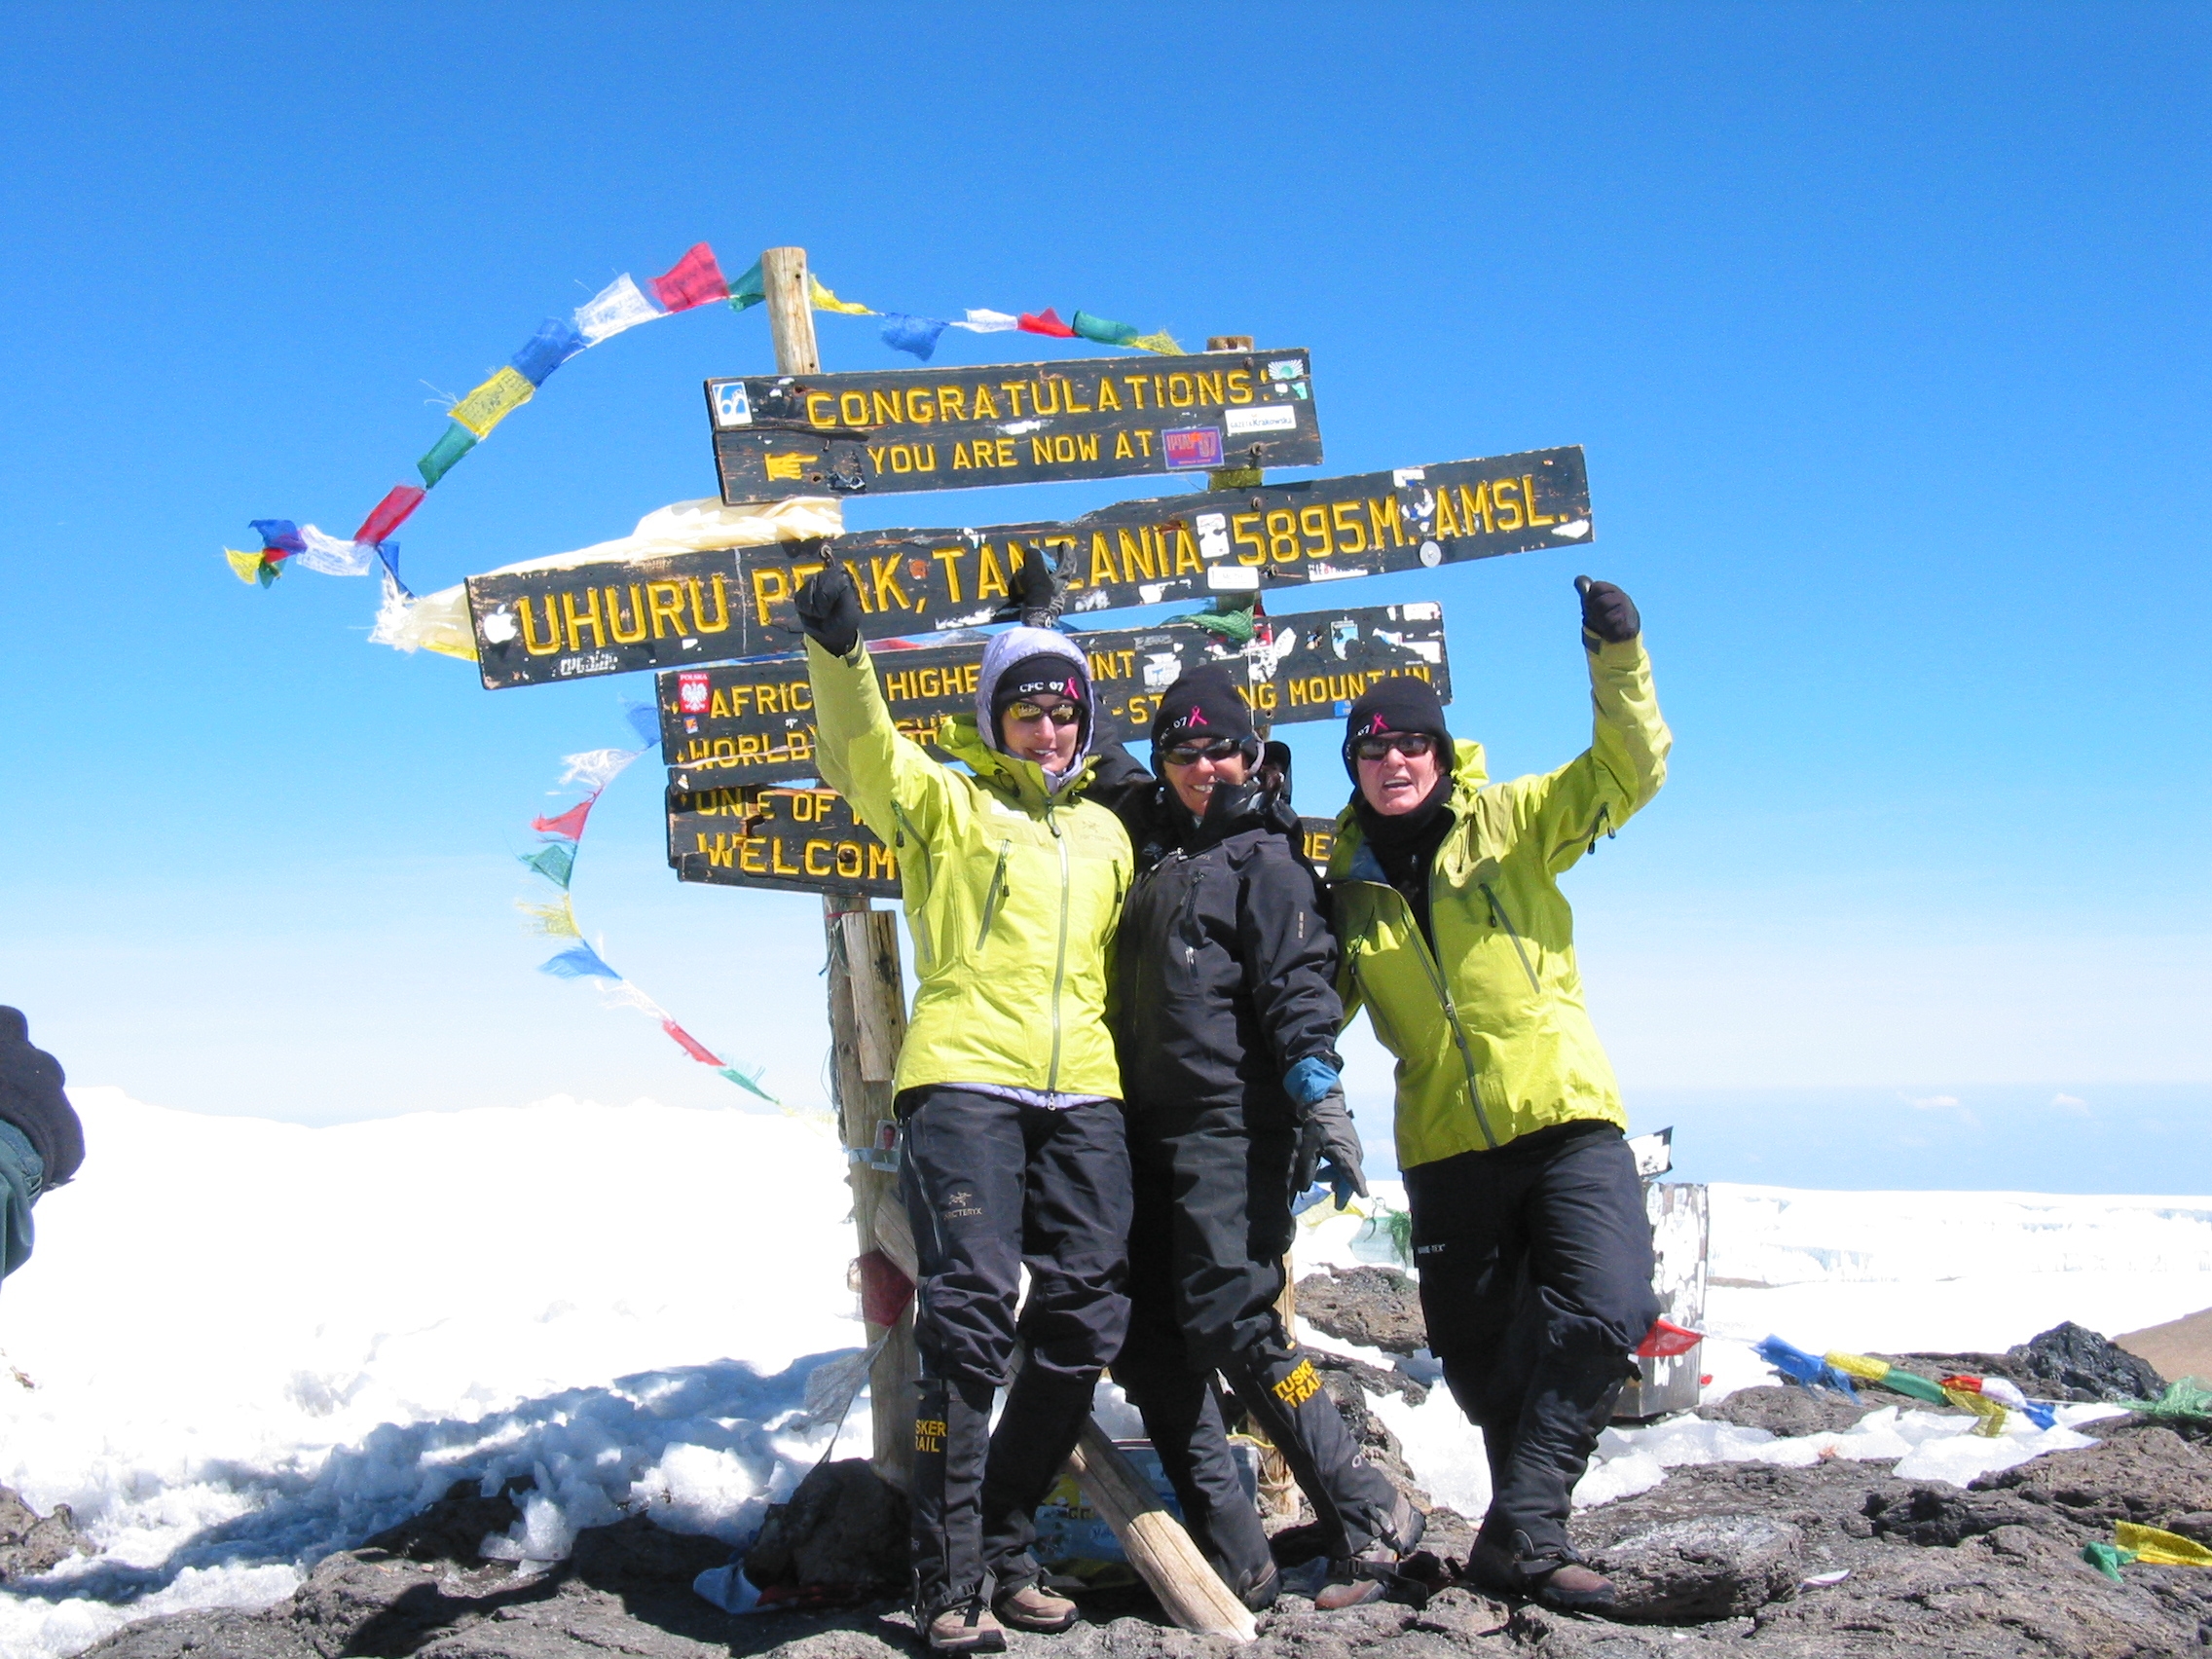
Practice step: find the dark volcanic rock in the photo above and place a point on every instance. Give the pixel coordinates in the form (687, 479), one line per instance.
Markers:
(2067, 1362)
(1716, 1566)
(843, 1528)
(1944, 1516)
(1372, 1306)
(31, 1544)
(1786, 1411)
(2141, 1473)
(452, 1528)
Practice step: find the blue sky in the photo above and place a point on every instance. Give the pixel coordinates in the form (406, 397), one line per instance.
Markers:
(1883, 327)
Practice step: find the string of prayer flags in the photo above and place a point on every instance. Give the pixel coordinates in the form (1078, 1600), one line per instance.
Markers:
(1810, 1370)
(694, 281)
(556, 918)
(2152, 1546)
(2006, 1393)
(1667, 1339)
(1991, 1399)
(1885, 1375)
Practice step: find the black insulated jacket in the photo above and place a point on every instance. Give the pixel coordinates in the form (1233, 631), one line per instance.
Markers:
(1225, 968)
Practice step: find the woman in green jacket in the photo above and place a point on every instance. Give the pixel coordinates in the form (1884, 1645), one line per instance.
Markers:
(1012, 1151)
(1528, 1217)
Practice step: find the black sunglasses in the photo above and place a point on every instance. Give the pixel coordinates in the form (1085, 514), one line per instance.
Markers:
(1404, 742)
(1190, 754)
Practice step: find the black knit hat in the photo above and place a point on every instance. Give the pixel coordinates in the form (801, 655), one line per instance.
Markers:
(1403, 703)
(1044, 673)
(1203, 704)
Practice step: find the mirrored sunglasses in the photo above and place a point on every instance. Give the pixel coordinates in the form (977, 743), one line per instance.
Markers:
(1409, 743)
(1059, 714)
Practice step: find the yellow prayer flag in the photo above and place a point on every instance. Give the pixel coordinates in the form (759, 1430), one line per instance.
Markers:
(1163, 343)
(824, 300)
(791, 467)
(2161, 1548)
(246, 566)
(551, 921)
(493, 401)
(1991, 1412)
(1860, 1366)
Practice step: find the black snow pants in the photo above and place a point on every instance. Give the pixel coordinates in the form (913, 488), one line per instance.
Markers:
(991, 1186)
(1535, 1281)
(1205, 1267)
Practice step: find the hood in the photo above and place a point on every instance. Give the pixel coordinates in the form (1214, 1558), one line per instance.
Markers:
(1003, 652)
(1470, 772)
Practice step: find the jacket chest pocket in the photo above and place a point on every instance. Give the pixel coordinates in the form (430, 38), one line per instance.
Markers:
(995, 895)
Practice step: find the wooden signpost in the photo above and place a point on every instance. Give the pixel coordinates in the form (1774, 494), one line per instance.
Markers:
(754, 722)
(687, 609)
(904, 429)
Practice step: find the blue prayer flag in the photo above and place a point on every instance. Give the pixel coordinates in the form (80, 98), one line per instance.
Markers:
(554, 343)
(914, 333)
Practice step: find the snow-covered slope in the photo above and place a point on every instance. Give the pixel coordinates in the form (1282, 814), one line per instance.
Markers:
(253, 1343)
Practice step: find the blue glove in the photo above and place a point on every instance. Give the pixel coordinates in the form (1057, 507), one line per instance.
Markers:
(1308, 1081)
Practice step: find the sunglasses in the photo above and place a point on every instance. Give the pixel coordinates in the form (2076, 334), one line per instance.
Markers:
(1059, 714)
(1407, 743)
(1190, 754)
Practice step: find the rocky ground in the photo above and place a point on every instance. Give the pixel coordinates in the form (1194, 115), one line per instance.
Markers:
(1838, 1559)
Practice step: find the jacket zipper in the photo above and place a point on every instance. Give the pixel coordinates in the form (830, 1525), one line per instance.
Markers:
(1499, 912)
(1597, 828)
(991, 899)
(1450, 1015)
(1061, 961)
(909, 836)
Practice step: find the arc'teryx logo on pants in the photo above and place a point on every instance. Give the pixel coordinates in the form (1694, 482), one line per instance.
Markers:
(957, 1205)
(1300, 1385)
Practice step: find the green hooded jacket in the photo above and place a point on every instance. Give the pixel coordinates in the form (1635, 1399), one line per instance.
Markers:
(1012, 892)
(1490, 1031)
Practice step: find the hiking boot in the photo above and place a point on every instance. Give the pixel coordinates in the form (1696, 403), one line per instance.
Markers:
(1372, 1575)
(966, 1627)
(1035, 1607)
(1566, 1583)
(1259, 1597)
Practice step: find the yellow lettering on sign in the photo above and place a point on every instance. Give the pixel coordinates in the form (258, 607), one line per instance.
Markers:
(1041, 450)
(1108, 397)
(1314, 522)
(951, 403)
(818, 857)
(920, 410)
(852, 408)
(752, 857)
(768, 588)
(1144, 437)
(1240, 386)
(1179, 392)
(850, 867)
(530, 633)
(1505, 497)
(1014, 390)
(986, 407)
(960, 460)
(1121, 449)
(1037, 391)
(1186, 554)
(1346, 516)
(1135, 555)
(665, 600)
(884, 573)
(881, 865)
(991, 577)
(1101, 560)
(1005, 452)
(1209, 387)
(1282, 537)
(786, 466)
(1245, 528)
(577, 624)
(637, 625)
(1136, 385)
(1068, 402)
(949, 558)
(876, 455)
(822, 416)
(1383, 515)
(1474, 508)
(777, 864)
(721, 623)
(1087, 445)
(1528, 499)
(890, 407)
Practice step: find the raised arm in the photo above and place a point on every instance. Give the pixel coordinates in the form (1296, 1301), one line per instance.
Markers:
(864, 756)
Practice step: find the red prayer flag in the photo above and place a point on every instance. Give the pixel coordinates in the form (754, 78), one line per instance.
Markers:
(885, 1291)
(569, 825)
(1667, 1339)
(389, 514)
(1048, 323)
(689, 1044)
(694, 281)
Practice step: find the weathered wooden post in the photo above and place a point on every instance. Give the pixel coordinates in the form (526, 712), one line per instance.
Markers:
(867, 1003)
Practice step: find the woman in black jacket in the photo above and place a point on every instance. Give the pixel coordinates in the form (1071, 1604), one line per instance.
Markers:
(1225, 1014)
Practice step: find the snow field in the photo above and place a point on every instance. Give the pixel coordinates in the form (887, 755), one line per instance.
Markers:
(254, 1342)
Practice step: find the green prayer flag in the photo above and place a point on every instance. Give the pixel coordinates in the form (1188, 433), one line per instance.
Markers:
(552, 863)
(747, 290)
(1099, 329)
(2107, 1559)
(454, 442)
(1902, 1381)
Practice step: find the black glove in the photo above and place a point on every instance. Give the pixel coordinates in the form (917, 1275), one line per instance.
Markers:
(1608, 613)
(1040, 597)
(829, 608)
(1327, 1143)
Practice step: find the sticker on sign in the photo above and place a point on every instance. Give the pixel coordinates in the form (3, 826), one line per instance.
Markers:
(1191, 446)
(1268, 417)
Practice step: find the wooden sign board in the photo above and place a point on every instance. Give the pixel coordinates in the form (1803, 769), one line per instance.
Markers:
(693, 609)
(801, 840)
(754, 722)
(899, 430)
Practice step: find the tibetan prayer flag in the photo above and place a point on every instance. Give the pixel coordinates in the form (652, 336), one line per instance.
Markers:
(749, 290)
(917, 335)
(743, 1082)
(990, 322)
(553, 863)
(644, 720)
(2008, 1393)
(615, 308)
(570, 824)
(1049, 323)
(328, 555)
(388, 514)
(554, 343)
(388, 552)
(2107, 1559)
(1163, 343)
(689, 1044)
(2159, 1548)
(453, 443)
(577, 962)
(247, 566)
(1104, 332)
(1802, 1367)
(270, 569)
(824, 300)
(551, 921)
(596, 769)
(281, 534)
(1990, 1411)
(1667, 1339)
(489, 404)
(695, 279)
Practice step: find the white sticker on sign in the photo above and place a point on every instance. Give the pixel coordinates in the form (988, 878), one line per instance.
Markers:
(1232, 578)
(732, 408)
(1213, 534)
(1265, 417)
